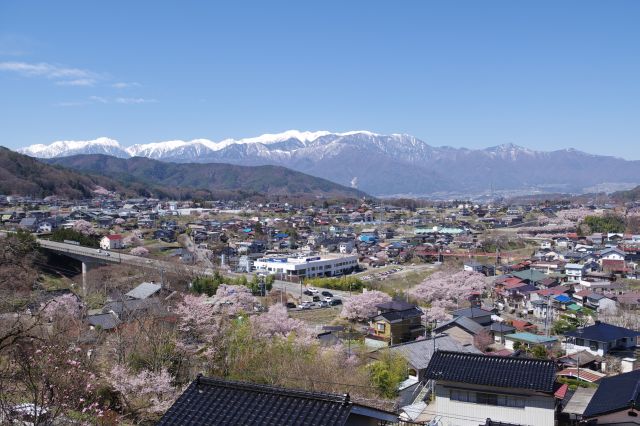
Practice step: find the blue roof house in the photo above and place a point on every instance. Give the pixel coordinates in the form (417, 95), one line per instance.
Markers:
(600, 339)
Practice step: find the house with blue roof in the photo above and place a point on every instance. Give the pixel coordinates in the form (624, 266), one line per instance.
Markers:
(601, 339)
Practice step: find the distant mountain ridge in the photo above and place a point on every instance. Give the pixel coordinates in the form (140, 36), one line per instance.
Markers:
(85, 176)
(211, 177)
(384, 164)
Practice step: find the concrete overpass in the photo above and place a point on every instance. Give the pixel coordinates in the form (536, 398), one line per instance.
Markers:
(91, 256)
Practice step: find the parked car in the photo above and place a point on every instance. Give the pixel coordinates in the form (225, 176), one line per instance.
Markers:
(291, 305)
(335, 302)
(323, 304)
(316, 298)
(313, 290)
(305, 305)
(328, 299)
(307, 292)
(327, 293)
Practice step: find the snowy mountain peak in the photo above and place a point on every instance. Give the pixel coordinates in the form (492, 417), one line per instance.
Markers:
(101, 145)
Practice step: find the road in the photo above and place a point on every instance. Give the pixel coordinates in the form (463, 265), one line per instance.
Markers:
(103, 256)
(161, 265)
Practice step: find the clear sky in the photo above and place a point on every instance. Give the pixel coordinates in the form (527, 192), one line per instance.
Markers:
(542, 74)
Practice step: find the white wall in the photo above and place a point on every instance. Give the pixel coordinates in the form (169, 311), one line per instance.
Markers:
(538, 411)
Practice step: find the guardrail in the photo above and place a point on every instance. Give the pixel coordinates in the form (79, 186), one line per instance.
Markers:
(72, 249)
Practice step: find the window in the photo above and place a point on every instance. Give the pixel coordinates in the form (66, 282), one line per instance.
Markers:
(580, 342)
(380, 327)
(460, 395)
(593, 345)
(486, 398)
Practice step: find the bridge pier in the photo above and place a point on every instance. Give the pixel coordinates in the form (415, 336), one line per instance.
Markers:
(86, 266)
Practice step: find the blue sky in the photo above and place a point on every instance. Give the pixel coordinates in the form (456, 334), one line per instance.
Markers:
(542, 74)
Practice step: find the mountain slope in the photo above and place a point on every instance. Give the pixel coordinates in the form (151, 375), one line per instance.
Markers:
(23, 175)
(267, 180)
(391, 164)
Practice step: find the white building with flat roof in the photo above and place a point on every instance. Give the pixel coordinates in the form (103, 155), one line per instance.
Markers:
(307, 265)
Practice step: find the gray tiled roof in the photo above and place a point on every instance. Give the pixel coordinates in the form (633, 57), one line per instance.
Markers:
(418, 353)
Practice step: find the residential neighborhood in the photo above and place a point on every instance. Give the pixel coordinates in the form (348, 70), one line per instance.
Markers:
(468, 322)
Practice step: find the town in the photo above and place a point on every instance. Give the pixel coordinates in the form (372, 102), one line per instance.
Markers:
(319, 311)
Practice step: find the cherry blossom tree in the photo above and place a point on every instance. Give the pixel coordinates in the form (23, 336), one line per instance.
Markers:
(66, 306)
(277, 323)
(84, 227)
(444, 291)
(363, 306)
(139, 251)
(145, 393)
(119, 221)
(197, 323)
(233, 300)
(54, 378)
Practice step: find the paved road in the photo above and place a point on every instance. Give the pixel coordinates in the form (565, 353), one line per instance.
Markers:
(117, 257)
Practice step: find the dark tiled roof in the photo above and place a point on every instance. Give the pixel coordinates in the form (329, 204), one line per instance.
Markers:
(395, 305)
(502, 328)
(614, 394)
(507, 372)
(471, 313)
(210, 401)
(393, 316)
(603, 332)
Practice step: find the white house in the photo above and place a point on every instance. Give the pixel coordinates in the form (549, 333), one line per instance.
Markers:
(470, 388)
(612, 253)
(574, 272)
(109, 242)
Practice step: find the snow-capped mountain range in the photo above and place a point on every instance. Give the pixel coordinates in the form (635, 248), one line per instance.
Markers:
(382, 164)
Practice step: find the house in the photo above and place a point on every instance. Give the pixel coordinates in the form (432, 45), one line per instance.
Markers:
(612, 253)
(472, 390)
(208, 401)
(396, 322)
(600, 339)
(528, 340)
(462, 329)
(499, 330)
(419, 352)
(29, 224)
(616, 401)
(575, 272)
(110, 242)
(478, 315)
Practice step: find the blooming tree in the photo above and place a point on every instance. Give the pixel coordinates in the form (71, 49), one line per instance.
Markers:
(66, 306)
(53, 376)
(277, 323)
(444, 291)
(139, 251)
(146, 392)
(84, 227)
(363, 306)
(119, 221)
(197, 323)
(233, 299)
